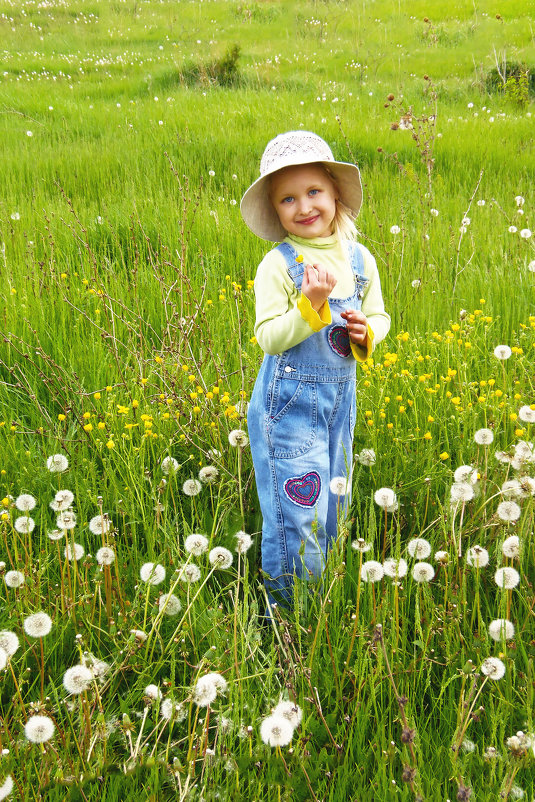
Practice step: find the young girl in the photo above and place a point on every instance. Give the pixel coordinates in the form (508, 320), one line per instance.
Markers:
(319, 311)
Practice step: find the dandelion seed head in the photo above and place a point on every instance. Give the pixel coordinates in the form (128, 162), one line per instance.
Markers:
(77, 679)
(152, 573)
(395, 568)
(56, 534)
(367, 457)
(359, 544)
(25, 502)
(153, 692)
(169, 465)
(526, 414)
(461, 492)
(209, 474)
(502, 352)
(493, 668)
(100, 524)
(189, 573)
(196, 544)
(519, 200)
(205, 692)
(339, 485)
(39, 729)
(442, 557)
(419, 547)
(512, 489)
(191, 487)
(9, 642)
(170, 604)
(423, 572)
(66, 520)
(484, 437)
(74, 551)
(62, 500)
(385, 497)
(6, 787)
(511, 547)
(38, 625)
(243, 542)
(477, 557)
(506, 578)
(237, 437)
(371, 571)
(57, 463)
(3, 660)
(501, 628)
(508, 511)
(395, 229)
(525, 452)
(14, 579)
(289, 710)
(24, 524)
(276, 731)
(105, 556)
(220, 557)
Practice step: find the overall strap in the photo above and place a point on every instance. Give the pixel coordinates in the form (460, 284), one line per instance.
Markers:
(356, 259)
(296, 270)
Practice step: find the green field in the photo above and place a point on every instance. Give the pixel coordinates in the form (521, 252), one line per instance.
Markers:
(130, 131)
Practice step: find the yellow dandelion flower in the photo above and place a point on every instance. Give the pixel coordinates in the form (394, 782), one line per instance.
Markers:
(444, 455)
(427, 436)
(520, 432)
(196, 410)
(86, 415)
(88, 427)
(513, 416)
(209, 395)
(101, 425)
(135, 403)
(110, 444)
(215, 389)
(61, 416)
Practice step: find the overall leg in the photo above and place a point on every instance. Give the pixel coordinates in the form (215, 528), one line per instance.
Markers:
(341, 428)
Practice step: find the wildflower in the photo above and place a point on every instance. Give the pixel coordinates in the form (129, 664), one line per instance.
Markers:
(531, 266)
(153, 692)
(57, 463)
(170, 709)
(477, 556)
(465, 473)
(237, 437)
(490, 753)
(367, 457)
(468, 745)
(24, 524)
(14, 579)
(243, 542)
(6, 787)
(493, 668)
(77, 679)
(196, 544)
(9, 642)
(220, 557)
(208, 474)
(56, 534)
(461, 491)
(508, 511)
(511, 547)
(66, 520)
(105, 556)
(361, 545)
(525, 452)
(74, 551)
(512, 229)
(442, 557)
(205, 692)
(395, 229)
(483, 437)
(385, 498)
(415, 283)
(525, 233)
(169, 465)
(512, 488)
(526, 414)
(371, 571)
(519, 200)
(169, 604)
(395, 568)
(139, 635)
(506, 578)
(501, 628)
(481, 202)
(39, 729)
(153, 573)
(25, 502)
(419, 547)
(38, 625)
(465, 221)
(189, 573)
(191, 487)
(290, 711)
(100, 524)
(423, 572)
(502, 352)
(62, 500)
(276, 731)
(339, 485)
(434, 212)
(3, 662)
(99, 668)
(218, 680)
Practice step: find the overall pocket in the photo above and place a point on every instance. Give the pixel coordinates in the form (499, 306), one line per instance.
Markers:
(292, 419)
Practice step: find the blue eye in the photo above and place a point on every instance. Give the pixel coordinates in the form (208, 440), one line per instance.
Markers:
(313, 192)
(289, 199)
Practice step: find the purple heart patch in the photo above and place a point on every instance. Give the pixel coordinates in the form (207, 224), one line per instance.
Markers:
(303, 490)
(339, 340)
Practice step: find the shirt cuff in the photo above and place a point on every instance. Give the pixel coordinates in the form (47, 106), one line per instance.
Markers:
(316, 320)
(363, 352)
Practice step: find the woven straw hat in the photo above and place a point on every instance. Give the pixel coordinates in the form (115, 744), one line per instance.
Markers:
(287, 150)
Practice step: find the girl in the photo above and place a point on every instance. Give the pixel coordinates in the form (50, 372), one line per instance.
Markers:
(319, 311)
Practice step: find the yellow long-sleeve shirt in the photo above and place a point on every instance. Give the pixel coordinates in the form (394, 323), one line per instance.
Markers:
(285, 317)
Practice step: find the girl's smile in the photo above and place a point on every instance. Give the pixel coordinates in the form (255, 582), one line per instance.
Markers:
(304, 197)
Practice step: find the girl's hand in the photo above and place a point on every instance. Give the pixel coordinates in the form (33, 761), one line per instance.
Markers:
(317, 285)
(357, 326)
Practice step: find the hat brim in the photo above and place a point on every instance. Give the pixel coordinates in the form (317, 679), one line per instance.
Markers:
(260, 216)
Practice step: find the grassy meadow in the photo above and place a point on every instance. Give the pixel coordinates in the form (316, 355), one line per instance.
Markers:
(134, 657)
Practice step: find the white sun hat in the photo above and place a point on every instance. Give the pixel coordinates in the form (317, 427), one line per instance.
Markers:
(287, 150)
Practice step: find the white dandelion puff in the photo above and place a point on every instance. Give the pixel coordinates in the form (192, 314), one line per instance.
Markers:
(77, 679)
(359, 544)
(484, 437)
(153, 573)
(153, 692)
(243, 542)
(525, 233)
(524, 451)
(512, 229)
(189, 573)
(395, 568)
(501, 628)
(169, 604)
(506, 578)
(419, 547)
(493, 668)
(3, 661)
(56, 534)
(339, 485)
(526, 414)
(66, 520)
(416, 282)
(502, 352)
(100, 524)
(367, 457)
(461, 492)
(24, 524)
(204, 692)
(62, 500)
(508, 511)
(423, 572)
(169, 465)
(196, 544)
(395, 229)
(220, 557)
(105, 556)
(519, 200)
(191, 487)
(511, 547)
(6, 787)
(139, 635)
(9, 642)
(38, 625)
(209, 474)
(442, 557)
(57, 463)
(25, 502)
(276, 731)
(39, 729)
(237, 437)
(385, 498)
(371, 571)
(477, 557)
(14, 579)
(289, 710)
(512, 489)
(219, 681)
(74, 551)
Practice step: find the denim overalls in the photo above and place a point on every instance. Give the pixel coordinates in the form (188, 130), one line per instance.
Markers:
(301, 419)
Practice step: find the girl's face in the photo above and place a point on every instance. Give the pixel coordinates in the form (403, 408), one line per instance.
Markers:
(304, 198)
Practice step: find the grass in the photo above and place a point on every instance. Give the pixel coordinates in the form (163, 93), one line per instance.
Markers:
(127, 320)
